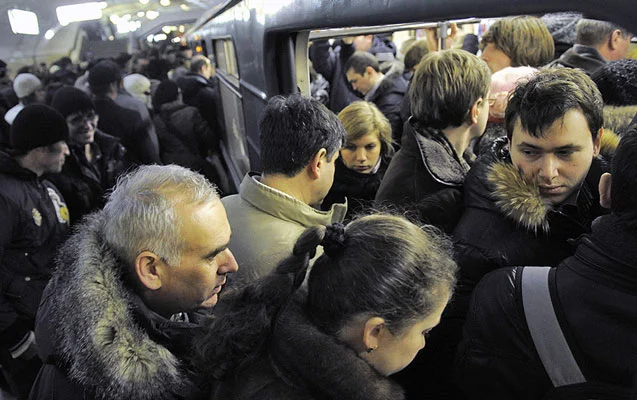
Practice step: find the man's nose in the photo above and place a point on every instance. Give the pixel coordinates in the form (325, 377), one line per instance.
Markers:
(549, 168)
(229, 265)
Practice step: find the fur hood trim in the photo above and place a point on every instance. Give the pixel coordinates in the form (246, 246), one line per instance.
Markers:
(321, 363)
(439, 157)
(618, 118)
(518, 197)
(94, 329)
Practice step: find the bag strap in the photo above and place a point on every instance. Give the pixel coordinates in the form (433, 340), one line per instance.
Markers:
(547, 335)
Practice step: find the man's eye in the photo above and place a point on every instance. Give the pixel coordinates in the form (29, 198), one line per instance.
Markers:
(565, 153)
(529, 152)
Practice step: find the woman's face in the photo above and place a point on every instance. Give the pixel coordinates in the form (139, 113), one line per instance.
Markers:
(395, 352)
(362, 154)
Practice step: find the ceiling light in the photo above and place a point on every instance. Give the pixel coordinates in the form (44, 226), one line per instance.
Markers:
(49, 34)
(79, 12)
(23, 22)
(164, 3)
(144, 2)
(151, 15)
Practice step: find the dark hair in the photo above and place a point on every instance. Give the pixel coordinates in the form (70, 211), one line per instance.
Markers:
(548, 95)
(524, 39)
(617, 82)
(359, 61)
(415, 53)
(293, 129)
(398, 269)
(166, 92)
(51, 90)
(197, 62)
(624, 179)
(445, 87)
(593, 32)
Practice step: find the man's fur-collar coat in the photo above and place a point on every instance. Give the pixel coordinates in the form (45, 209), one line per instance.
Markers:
(98, 336)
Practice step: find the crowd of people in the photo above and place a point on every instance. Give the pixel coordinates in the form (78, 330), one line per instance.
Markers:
(484, 206)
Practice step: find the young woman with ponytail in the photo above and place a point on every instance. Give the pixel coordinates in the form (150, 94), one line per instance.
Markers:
(370, 299)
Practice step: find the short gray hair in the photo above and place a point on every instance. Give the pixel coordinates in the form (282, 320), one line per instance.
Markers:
(140, 213)
(592, 32)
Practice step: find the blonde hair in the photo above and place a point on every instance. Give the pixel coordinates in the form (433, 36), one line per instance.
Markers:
(361, 118)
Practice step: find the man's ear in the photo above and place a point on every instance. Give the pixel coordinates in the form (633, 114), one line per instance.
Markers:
(474, 113)
(317, 162)
(369, 70)
(604, 190)
(615, 36)
(372, 332)
(149, 269)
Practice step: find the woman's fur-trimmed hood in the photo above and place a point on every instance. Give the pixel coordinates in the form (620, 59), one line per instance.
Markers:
(323, 364)
(90, 312)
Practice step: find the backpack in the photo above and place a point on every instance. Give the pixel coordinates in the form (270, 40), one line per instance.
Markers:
(552, 346)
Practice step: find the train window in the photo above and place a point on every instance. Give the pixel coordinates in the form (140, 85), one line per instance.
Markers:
(226, 58)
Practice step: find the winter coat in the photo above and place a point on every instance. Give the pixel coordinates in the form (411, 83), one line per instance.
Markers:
(425, 166)
(359, 189)
(34, 220)
(596, 306)
(84, 184)
(186, 139)
(304, 363)
(618, 119)
(586, 58)
(130, 102)
(127, 126)
(203, 94)
(97, 337)
(265, 225)
(329, 62)
(389, 96)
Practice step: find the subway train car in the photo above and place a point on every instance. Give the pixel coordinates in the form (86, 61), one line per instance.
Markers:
(260, 47)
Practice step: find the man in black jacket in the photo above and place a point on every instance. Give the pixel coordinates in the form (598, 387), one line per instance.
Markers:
(199, 88)
(385, 90)
(118, 317)
(33, 221)
(96, 159)
(592, 293)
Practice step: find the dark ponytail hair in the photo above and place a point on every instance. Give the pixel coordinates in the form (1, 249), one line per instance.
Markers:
(381, 265)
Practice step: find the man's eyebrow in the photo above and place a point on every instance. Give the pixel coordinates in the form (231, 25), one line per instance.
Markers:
(216, 251)
(569, 146)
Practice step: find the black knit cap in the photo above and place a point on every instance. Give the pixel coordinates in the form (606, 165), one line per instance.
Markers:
(38, 125)
(166, 92)
(617, 82)
(70, 100)
(104, 73)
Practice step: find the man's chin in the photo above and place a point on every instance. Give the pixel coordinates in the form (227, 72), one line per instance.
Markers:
(210, 302)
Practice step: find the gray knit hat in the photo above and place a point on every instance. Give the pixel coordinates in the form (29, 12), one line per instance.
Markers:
(562, 26)
(617, 81)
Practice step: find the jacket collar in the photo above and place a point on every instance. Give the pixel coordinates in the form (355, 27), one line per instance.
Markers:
(284, 206)
(9, 166)
(438, 155)
(99, 328)
(306, 357)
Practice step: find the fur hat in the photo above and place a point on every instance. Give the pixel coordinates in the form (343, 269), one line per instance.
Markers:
(38, 125)
(25, 84)
(104, 73)
(617, 81)
(562, 26)
(69, 100)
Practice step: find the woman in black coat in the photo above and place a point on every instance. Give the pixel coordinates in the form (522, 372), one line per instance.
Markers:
(370, 299)
(363, 159)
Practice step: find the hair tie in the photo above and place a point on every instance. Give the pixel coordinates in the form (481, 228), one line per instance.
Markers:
(334, 240)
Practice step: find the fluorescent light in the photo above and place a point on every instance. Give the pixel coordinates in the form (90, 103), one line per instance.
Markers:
(160, 37)
(185, 7)
(124, 26)
(49, 34)
(114, 18)
(164, 3)
(141, 14)
(79, 12)
(23, 22)
(144, 2)
(151, 15)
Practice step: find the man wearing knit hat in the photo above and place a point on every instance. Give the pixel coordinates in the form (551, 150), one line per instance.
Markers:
(96, 159)
(29, 90)
(34, 221)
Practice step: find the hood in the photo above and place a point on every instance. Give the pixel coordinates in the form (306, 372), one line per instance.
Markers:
(92, 318)
(617, 119)
(323, 364)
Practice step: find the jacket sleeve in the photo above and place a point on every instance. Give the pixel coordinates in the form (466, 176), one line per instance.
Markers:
(12, 329)
(496, 358)
(323, 60)
(390, 105)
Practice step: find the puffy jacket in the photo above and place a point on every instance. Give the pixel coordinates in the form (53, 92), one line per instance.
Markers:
(389, 96)
(35, 220)
(203, 94)
(594, 294)
(84, 184)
